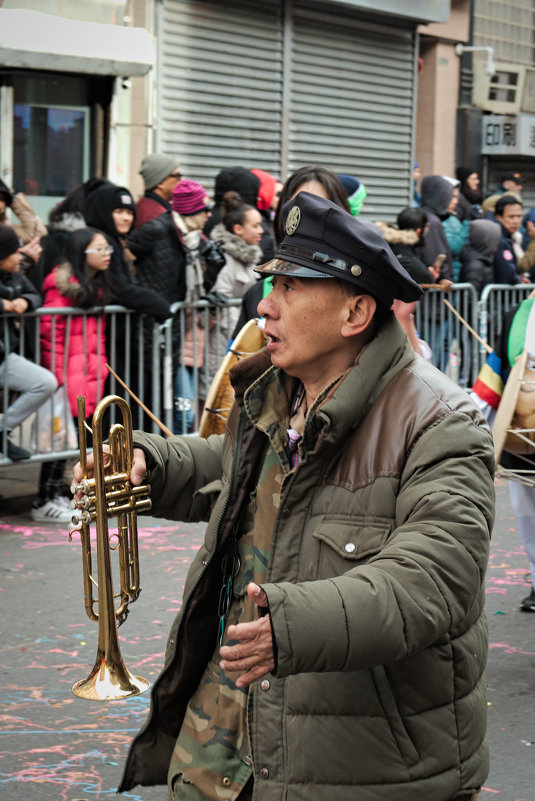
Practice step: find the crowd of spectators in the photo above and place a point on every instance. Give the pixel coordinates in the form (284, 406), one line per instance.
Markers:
(173, 244)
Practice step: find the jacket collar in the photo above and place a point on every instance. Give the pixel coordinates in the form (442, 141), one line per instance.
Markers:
(506, 234)
(247, 371)
(158, 198)
(381, 359)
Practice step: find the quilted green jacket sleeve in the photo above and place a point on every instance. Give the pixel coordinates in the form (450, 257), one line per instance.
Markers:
(186, 475)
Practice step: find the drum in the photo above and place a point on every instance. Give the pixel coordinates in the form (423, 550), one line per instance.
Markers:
(221, 395)
(514, 424)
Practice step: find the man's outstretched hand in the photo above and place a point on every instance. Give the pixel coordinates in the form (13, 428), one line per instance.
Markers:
(137, 474)
(253, 652)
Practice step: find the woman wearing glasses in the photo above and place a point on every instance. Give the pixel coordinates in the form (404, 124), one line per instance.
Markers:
(73, 347)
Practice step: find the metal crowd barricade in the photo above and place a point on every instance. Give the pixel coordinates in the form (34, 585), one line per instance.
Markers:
(133, 345)
(495, 301)
(454, 349)
(148, 357)
(195, 341)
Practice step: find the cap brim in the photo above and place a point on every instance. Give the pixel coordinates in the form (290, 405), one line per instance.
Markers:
(283, 267)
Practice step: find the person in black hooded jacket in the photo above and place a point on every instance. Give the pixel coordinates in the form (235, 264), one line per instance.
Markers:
(247, 185)
(102, 210)
(470, 195)
(477, 268)
(477, 265)
(437, 193)
(436, 197)
(111, 209)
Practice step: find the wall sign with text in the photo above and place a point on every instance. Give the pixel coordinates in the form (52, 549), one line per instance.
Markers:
(508, 135)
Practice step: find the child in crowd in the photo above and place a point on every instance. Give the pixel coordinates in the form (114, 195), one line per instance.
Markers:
(74, 347)
(33, 383)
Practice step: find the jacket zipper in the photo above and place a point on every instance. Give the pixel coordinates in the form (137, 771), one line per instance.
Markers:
(185, 601)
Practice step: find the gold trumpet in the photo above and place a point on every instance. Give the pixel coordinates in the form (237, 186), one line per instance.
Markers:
(109, 494)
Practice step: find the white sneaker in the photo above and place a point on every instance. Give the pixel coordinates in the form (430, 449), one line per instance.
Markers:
(53, 511)
(62, 500)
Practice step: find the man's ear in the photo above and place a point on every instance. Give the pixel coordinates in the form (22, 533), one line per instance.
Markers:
(359, 315)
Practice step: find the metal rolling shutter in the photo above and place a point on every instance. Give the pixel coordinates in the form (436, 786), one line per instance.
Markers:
(219, 98)
(352, 103)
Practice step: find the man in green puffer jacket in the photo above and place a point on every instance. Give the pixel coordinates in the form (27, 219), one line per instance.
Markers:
(331, 642)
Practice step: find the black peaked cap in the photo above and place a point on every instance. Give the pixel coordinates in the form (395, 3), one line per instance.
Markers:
(324, 241)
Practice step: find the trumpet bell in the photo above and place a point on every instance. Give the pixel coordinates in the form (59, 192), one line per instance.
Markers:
(109, 682)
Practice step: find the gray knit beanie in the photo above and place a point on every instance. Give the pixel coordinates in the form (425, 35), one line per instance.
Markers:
(155, 167)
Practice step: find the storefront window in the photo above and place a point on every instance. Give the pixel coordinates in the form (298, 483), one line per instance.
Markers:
(50, 149)
(52, 121)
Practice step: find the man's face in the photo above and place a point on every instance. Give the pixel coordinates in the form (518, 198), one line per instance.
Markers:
(511, 219)
(165, 187)
(513, 186)
(3, 204)
(304, 320)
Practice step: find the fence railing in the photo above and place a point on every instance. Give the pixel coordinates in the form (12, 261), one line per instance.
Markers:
(170, 366)
(147, 357)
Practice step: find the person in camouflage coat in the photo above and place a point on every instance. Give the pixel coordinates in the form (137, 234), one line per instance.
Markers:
(331, 641)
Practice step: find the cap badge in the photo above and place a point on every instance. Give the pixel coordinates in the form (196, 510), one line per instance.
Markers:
(293, 220)
(356, 270)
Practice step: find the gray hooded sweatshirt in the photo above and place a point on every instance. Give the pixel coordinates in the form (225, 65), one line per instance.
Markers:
(477, 266)
(436, 195)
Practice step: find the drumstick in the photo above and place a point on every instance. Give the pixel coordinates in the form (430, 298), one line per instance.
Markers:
(469, 327)
(137, 400)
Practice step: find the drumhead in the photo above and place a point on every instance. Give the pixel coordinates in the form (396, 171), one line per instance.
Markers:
(221, 395)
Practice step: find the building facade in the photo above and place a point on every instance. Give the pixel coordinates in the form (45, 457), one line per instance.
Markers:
(272, 85)
(68, 76)
(497, 104)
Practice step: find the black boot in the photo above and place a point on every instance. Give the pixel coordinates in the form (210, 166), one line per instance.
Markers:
(528, 604)
(15, 453)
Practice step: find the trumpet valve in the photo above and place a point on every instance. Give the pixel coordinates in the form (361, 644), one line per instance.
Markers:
(83, 503)
(79, 519)
(84, 487)
(76, 526)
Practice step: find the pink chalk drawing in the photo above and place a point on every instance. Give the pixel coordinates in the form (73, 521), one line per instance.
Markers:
(510, 649)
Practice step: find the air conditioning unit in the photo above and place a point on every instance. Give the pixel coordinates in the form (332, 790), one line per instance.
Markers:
(503, 92)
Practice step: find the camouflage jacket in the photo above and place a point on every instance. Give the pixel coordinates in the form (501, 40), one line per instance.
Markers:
(375, 587)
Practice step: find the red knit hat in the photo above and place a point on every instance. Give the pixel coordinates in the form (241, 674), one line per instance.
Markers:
(266, 193)
(189, 198)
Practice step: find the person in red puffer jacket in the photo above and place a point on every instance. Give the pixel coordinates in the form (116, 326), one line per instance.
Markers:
(73, 347)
